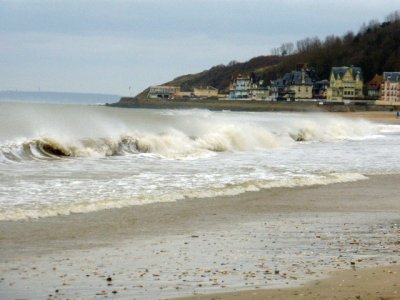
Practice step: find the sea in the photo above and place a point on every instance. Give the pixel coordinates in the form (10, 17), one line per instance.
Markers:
(64, 158)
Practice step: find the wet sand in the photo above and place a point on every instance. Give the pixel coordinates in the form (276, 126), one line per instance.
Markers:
(375, 116)
(371, 283)
(283, 237)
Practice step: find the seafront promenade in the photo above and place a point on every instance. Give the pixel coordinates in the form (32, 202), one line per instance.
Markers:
(246, 105)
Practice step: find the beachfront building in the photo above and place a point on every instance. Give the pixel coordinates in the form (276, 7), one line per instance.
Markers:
(183, 94)
(293, 85)
(281, 91)
(259, 92)
(163, 91)
(239, 87)
(390, 89)
(205, 92)
(320, 89)
(345, 83)
(374, 87)
(247, 87)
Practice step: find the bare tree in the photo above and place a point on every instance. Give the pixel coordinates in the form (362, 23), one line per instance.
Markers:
(393, 17)
(363, 28)
(232, 63)
(373, 24)
(308, 44)
(348, 37)
(275, 51)
(286, 49)
(289, 48)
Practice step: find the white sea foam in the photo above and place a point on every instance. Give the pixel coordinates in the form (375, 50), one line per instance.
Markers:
(50, 210)
(389, 128)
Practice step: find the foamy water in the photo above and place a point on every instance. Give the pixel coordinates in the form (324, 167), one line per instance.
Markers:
(61, 159)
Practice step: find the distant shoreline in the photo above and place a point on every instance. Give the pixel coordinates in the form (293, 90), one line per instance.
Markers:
(248, 105)
(56, 97)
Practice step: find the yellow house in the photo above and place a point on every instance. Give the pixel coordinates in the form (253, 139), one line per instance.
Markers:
(345, 83)
(302, 91)
(294, 85)
(207, 92)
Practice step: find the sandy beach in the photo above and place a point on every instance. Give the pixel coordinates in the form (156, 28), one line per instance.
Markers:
(271, 239)
(375, 116)
(369, 283)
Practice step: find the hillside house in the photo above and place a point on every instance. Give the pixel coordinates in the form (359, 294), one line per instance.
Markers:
(390, 88)
(345, 83)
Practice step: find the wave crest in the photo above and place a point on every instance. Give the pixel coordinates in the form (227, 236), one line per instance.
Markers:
(177, 144)
(171, 144)
(48, 147)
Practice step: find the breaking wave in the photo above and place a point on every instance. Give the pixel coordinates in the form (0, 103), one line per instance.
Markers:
(52, 132)
(177, 144)
(171, 144)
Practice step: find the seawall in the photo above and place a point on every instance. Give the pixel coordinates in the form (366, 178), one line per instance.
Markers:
(247, 105)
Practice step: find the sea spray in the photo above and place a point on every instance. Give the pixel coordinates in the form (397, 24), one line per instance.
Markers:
(219, 133)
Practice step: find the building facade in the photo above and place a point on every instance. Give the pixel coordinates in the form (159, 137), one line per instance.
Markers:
(390, 88)
(183, 94)
(206, 92)
(239, 87)
(320, 89)
(293, 85)
(374, 87)
(247, 87)
(163, 91)
(345, 83)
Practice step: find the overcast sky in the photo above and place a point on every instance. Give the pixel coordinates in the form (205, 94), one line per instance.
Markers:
(107, 46)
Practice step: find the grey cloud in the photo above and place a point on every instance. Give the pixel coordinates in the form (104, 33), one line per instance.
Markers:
(105, 46)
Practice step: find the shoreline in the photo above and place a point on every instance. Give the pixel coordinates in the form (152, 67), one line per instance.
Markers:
(367, 283)
(234, 241)
(252, 105)
(374, 113)
(387, 117)
(114, 221)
